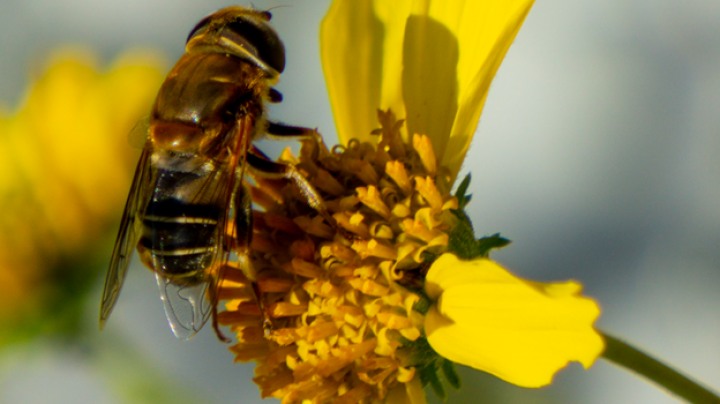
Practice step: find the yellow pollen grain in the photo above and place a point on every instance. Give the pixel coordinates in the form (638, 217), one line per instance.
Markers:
(396, 170)
(418, 230)
(392, 299)
(412, 333)
(370, 197)
(375, 249)
(338, 250)
(322, 288)
(373, 308)
(405, 374)
(394, 321)
(356, 218)
(366, 271)
(353, 226)
(287, 156)
(405, 250)
(369, 287)
(317, 332)
(351, 314)
(451, 202)
(303, 268)
(381, 230)
(426, 188)
(284, 309)
(400, 210)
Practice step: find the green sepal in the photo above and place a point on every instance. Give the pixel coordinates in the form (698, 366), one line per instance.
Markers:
(423, 304)
(429, 375)
(450, 374)
(462, 240)
(485, 244)
(429, 364)
(463, 199)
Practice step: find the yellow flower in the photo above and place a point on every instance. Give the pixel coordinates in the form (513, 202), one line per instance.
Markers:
(370, 305)
(336, 320)
(432, 62)
(64, 157)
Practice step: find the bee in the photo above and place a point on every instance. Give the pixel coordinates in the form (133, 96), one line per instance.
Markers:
(188, 186)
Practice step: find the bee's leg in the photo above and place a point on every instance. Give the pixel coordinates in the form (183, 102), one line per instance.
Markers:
(281, 131)
(273, 170)
(274, 96)
(242, 242)
(278, 131)
(213, 290)
(243, 223)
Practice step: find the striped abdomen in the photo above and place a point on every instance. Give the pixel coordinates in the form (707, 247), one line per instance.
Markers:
(179, 238)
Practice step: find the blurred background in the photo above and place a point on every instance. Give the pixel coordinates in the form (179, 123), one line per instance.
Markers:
(598, 154)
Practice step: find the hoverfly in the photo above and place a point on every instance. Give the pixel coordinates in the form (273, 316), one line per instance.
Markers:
(188, 186)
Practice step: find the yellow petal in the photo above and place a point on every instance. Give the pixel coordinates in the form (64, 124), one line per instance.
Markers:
(430, 62)
(484, 30)
(522, 332)
(360, 76)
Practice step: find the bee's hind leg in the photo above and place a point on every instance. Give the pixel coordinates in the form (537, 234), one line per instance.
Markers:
(213, 290)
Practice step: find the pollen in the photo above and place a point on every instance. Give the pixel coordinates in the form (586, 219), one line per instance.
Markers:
(331, 311)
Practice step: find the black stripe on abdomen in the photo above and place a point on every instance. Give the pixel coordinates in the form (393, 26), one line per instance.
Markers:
(181, 237)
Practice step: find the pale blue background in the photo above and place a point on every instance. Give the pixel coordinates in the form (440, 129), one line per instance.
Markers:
(598, 154)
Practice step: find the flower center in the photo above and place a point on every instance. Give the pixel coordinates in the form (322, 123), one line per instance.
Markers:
(339, 297)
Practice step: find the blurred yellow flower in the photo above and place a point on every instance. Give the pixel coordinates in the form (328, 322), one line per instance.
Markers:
(64, 159)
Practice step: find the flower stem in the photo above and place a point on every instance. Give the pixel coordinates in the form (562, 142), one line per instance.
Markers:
(622, 354)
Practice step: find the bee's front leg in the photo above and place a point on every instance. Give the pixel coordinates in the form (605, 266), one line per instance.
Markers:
(280, 131)
(274, 170)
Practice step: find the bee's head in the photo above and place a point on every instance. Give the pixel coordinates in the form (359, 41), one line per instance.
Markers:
(240, 32)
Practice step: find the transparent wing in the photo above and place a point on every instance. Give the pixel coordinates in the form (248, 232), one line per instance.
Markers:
(190, 302)
(127, 237)
(140, 133)
(187, 307)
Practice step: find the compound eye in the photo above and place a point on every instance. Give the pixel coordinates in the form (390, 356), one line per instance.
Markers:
(199, 27)
(270, 49)
(266, 15)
